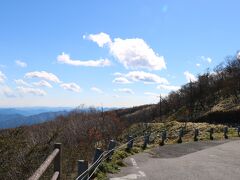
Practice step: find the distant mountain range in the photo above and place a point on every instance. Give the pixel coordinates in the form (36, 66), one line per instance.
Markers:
(14, 117)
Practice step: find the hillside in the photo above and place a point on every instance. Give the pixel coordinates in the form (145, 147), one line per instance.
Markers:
(214, 97)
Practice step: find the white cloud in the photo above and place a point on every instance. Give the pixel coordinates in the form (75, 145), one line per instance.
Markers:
(33, 91)
(2, 77)
(101, 39)
(121, 80)
(118, 74)
(133, 53)
(21, 82)
(146, 77)
(136, 54)
(238, 55)
(43, 75)
(208, 59)
(125, 90)
(42, 83)
(198, 65)
(21, 63)
(65, 59)
(168, 87)
(97, 90)
(71, 87)
(7, 91)
(189, 76)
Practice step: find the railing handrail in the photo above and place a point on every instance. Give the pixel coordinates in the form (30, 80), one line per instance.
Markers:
(43, 167)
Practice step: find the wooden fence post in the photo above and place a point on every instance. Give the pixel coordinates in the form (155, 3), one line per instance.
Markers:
(130, 143)
(146, 141)
(211, 131)
(180, 136)
(111, 146)
(58, 159)
(164, 137)
(82, 167)
(196, 134)
(225, 131)
(98, 153)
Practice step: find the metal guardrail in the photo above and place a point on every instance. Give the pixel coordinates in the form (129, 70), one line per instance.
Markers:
(54, 156)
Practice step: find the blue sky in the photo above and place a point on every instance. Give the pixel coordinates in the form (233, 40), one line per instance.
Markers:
(110, 53)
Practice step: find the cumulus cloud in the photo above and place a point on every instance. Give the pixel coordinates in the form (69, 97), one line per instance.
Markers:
(140, 76)
(101, 39)
(2, 77)
(133, 53)
(136, 54)
(21, 63)
(65, 59)
(21, 82)
(208, 59)
(71, 87)
(121, 80)
(97, 90)
(238, 55)
(146, 77)
(43, 75)
(7, 91)
(125, 90)
(198, 65)
(189, 76)
(42, 83)
(168, 87)
(34, 91)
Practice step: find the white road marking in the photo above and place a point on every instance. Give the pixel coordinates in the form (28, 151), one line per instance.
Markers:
(131, 176)
(134, 163)
(142, 173)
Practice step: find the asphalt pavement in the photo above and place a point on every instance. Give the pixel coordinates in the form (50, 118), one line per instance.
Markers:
(212, 160)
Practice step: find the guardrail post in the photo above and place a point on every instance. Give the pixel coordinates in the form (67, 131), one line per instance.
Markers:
(211, 131)
(238, 130)
(130, 143)
(196, 134)
(57, 160)
(146, 141)
(164, 137)
(82, 167)
(180, 136)
(225, 131)
(97, 154)
(111, 146)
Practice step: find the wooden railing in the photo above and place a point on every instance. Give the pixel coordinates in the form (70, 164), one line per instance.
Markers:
(54, 156)
(86, 171)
